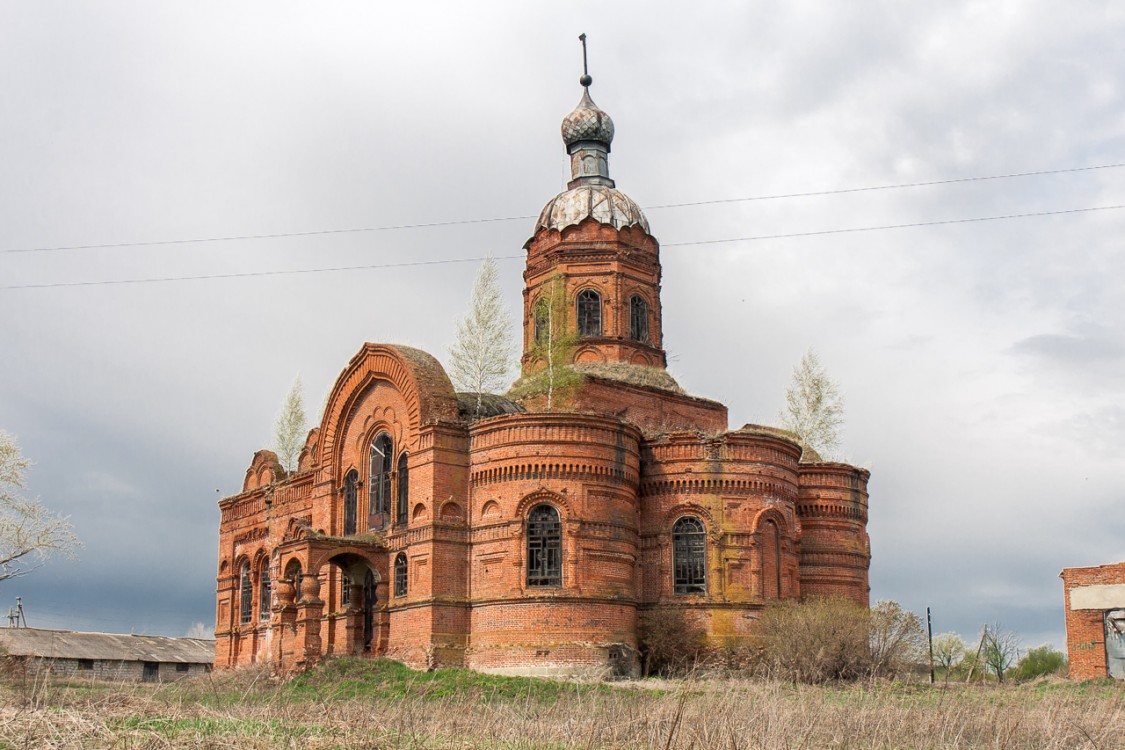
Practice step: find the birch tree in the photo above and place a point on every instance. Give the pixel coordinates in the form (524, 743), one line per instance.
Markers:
(554, 339)
(289, 433)
(481, 358)
(29, 533)
(814, 408)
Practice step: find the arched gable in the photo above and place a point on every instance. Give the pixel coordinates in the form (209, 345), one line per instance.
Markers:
(417, 376)
(264, 470)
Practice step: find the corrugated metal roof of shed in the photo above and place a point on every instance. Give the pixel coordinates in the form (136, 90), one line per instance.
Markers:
(66, 644)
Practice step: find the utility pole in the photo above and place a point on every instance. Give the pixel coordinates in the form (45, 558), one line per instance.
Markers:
(930, 633)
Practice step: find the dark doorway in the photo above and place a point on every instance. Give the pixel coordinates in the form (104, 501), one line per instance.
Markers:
(151, 672)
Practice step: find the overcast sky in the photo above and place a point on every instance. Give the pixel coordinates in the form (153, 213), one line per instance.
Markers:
(981, 362)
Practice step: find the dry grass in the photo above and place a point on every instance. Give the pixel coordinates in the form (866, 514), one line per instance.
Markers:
(394, 709)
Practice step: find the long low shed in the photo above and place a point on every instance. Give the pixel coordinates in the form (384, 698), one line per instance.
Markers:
(107, 656)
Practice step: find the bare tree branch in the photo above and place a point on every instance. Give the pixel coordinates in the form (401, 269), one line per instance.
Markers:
(29, 533)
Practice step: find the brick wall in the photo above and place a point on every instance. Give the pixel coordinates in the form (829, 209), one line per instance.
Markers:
(1085, 628)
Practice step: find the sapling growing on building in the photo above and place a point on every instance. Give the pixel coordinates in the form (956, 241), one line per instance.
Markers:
(814, 408)
(289, 433)
(480, 360)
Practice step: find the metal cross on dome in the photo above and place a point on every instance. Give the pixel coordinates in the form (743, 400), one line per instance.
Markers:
(585, 80)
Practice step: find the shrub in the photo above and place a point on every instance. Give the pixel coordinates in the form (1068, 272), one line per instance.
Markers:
(1040, 662)
(836, 639)
(671, 643)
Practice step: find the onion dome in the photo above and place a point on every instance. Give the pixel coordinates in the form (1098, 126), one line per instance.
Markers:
(591, 194)
(587, 123)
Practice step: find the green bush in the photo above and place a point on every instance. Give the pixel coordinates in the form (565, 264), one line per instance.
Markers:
(1040, 662)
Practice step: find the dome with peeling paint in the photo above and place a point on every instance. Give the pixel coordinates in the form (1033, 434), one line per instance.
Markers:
(587, 123)
(604, 204)
(591, 194)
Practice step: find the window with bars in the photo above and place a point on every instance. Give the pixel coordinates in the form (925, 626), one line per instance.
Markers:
(402, 506)
(589, 313)
(379, 486)
(246, 594)
(264, 591)
(400, 575)
(689, 556)
(544, 547)
(638, 318)
(351, 501)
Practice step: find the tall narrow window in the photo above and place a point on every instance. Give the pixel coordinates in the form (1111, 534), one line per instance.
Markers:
(689, 556)
(638, 318)
(402, 504)
(368, 610)
(379, 484)
(400, 575)
(541, 316)
(771, 560)
(264, 591)
(345, 588)
(351, 502)
(246, 595)
(544, 547)
(589, 313)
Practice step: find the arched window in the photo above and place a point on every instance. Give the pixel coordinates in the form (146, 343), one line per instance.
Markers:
(264, 591)
(246, 594)
(589, 313)
(689, 556)
(351, 501)
(544, 547)
(402, 505)
(379, 483)
(400, 575)
(638, 318)
(771, 560)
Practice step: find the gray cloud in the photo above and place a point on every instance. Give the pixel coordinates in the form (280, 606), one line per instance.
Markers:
(979, 388)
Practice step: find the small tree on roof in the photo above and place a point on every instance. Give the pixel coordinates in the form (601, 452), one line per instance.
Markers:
(814, 408)
(480, 360)
(289, 433)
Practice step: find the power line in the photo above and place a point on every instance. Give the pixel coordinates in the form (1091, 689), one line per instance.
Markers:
(494, 219)
(895, 186)
(202, 277)
(936, 223)
(246, 274)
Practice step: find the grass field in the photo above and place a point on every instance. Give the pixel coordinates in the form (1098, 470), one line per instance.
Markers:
(366, 705)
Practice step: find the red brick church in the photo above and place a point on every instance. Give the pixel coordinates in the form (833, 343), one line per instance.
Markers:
(525, 539)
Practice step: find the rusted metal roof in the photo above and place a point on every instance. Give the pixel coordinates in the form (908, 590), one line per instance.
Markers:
(66, 644)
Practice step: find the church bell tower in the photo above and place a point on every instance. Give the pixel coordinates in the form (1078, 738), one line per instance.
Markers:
(593, 248)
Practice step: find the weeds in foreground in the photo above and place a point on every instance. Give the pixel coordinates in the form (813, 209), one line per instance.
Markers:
(367, 705)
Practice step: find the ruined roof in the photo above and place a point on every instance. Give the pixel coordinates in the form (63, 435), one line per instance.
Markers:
(67, 644)
(623, 372)
(808, 455)
(491, 405)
